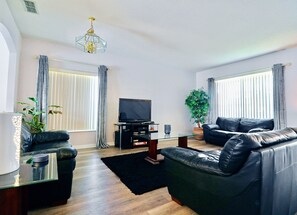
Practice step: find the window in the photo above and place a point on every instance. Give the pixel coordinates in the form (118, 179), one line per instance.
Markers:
(77, 93)
(4, 71)
(249, 96)
(8, 70)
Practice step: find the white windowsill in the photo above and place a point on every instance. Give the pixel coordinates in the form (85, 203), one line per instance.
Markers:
(78, 131)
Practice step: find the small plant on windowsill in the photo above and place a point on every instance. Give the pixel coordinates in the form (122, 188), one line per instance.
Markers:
(31, 114)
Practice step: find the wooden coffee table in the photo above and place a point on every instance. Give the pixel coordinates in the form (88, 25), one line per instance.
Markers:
(153, 138)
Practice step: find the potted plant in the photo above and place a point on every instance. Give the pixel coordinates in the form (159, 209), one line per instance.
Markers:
(31, 114)
(197, 102)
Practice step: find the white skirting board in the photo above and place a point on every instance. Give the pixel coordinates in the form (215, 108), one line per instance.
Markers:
(89, 146)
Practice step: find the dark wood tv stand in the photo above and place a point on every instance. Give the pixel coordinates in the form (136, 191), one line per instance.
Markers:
(126, 134)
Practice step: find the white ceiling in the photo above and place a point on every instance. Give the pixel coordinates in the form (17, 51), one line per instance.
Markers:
(189, 34)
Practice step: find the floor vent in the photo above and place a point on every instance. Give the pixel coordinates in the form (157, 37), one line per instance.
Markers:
(30, 6)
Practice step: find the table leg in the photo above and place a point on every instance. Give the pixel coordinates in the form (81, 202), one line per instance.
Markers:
(121, 131)
(153, 149)
(13, 201)
(183, 142)
(153, 156)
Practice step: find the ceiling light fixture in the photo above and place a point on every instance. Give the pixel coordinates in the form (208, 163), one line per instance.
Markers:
(90, 42)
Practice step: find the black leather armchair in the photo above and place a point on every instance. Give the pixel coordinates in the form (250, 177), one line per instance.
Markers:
(253, 174)
(56, 192)
(225, 128)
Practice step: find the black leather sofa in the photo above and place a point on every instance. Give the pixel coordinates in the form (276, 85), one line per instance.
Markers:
(255, 173)
(225, 128)
(55, 192)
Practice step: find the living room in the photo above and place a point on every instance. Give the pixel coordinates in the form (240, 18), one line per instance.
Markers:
(160, 58)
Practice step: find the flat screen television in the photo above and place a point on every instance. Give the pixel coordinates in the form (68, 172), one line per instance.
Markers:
(134, 110)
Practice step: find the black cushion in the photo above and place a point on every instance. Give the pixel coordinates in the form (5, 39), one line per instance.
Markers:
(201, 161)
(275, 137)
(228, 124)
(63, 149)
(26, 138)
(254, 130)
(50, 145)
(236, 151)
(223, 134)
(245, 125)
(238, 148)
(49, 136)
(210, 126)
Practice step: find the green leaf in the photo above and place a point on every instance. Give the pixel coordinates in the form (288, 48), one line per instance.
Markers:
(33, 99)
(23, 103)
(197, 102)
(31, 114)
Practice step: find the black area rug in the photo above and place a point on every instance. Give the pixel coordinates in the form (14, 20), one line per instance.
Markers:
(136, 173)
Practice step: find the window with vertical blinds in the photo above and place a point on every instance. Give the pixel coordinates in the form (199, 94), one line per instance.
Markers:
(249, 96)
(78, 95)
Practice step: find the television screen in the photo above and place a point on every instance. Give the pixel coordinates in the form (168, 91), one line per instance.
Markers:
(134, 110)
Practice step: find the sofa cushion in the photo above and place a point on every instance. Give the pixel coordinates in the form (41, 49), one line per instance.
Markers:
(238, 148)
(223, 134)
(210, 126)
(228, 124)
(201, 161)
(254, 130)
(236, 151)
(50, 145)
(49, 136)
(275, 137)
(245, 124)
(63, 149)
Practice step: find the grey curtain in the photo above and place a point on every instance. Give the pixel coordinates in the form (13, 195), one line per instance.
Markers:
(212, 111)
(102, 117)
(279, 100)
(42, 87)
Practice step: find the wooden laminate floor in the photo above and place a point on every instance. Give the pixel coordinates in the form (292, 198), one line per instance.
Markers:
(96, 190)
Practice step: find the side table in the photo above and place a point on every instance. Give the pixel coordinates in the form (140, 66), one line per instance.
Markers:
(13, 186)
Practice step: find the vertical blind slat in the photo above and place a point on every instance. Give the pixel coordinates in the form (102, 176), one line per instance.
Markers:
(78, 96)
(247, 96)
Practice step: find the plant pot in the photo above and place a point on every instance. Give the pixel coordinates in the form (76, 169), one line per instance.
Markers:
(198, 132)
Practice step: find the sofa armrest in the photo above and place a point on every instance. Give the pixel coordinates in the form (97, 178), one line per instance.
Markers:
(63, 153)
(201, 161)
(279, 168)
(294, 129)
(66, 153)
(210, 126)
(49, 136)
(45, 151)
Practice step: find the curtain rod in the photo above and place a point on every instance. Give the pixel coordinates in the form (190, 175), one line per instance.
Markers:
(287, 64)
(70, 61)
(250, 72)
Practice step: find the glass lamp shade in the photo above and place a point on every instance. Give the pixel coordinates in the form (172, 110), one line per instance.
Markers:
(10, 133)
(91, 43)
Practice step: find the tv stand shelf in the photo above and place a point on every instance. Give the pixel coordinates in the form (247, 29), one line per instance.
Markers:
(126, 133)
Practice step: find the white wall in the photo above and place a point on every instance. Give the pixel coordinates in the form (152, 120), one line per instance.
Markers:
(284, 56)
(12, 37)
(129, 78)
